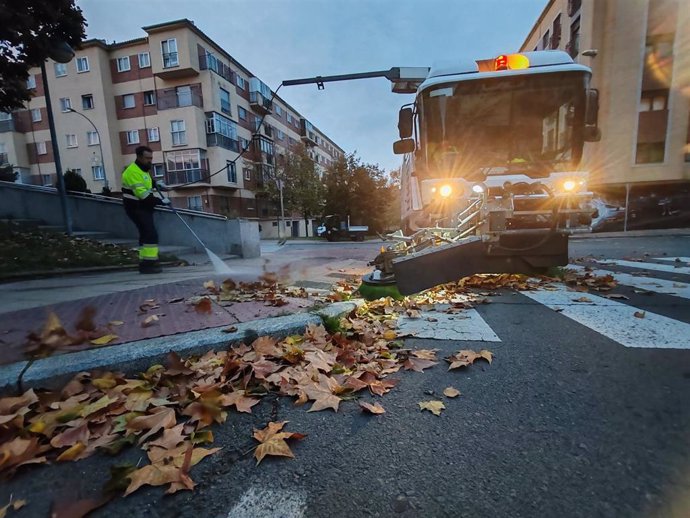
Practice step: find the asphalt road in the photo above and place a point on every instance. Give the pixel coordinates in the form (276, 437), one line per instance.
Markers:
(568, 421)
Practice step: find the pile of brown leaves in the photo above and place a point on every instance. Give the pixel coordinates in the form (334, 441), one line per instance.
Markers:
(266, 290)
(168, 410)
(54, 337)
(585, 281)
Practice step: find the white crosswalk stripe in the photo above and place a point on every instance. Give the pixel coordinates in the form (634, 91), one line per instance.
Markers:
(616, 320)
(468, 325)
(673, 259)
(613, 319)
(669, 268)
(678, 289)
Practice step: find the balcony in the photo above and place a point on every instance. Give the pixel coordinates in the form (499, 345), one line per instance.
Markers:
(259, 103)
(7, 125)
(216, 139)
(307, 133)
(186, 176)
(174, 69)
(179, 97)
(209, 62)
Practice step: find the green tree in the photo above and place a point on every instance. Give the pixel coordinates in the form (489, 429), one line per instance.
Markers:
(303, 190)
(28, 31)
(7, 173)
(362, 191)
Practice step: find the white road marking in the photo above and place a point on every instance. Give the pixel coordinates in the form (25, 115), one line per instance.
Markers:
(648, 266)
(616, 320)
(270, 503)
(672, 259)
(463, 326)
(679, 289)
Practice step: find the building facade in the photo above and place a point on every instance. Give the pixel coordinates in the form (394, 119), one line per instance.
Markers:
(639, 53)
(179, 93)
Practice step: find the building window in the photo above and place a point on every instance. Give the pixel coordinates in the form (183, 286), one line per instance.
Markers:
(279, 110)
(128, 101)
(556, 37)
(87, 102)
(241, 82)
(178, 132)
(144, 60)
(573, 46)
(242, 113)
(184, 95)
(225, 101)
(41, 148)
(289, 118)
(546, 40)
(195, 203)
(244, 144)
(153, 135)
(158, 170)
(169, 50)
(232, 171)
(82, 65)
(123, 64)
(36, 115)
(31, 82)
(650, 153)
(60, 69)
(574, 6)
(279, 134)
(92, 138)
(65, 104)
(149, 98)
(247, 174)
(97, 171)
(133, 137)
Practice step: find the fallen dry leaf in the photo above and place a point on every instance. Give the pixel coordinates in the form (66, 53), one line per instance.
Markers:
(640, 314)
(375, 409)
(451, 392)
(105, 339)
(115, 323)
(149, 321)
(204, 306)
(582, 299)
(273, 441)
(229, 329)
(435, 407)
(616, 296)
(14, 505)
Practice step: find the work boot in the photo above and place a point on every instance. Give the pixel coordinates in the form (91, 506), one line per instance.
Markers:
(150, 267)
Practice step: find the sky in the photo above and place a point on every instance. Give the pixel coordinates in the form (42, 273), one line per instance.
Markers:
(289, 39)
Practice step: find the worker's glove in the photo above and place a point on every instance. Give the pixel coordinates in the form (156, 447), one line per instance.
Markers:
(163, 187)
(166, 202)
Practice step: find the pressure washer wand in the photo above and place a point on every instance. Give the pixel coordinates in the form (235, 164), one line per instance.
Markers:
(183, 221)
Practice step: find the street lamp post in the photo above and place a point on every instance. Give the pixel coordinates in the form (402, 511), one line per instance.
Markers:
(279, 184)
(61, 52)
(100, 147)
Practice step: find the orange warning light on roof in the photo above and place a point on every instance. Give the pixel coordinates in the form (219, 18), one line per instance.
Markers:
(511, 62)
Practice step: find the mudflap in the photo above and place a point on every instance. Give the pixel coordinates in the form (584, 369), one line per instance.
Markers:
(448, 263)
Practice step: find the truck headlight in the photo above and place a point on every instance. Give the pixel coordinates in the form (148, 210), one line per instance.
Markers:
(569, 185)
(445, 191)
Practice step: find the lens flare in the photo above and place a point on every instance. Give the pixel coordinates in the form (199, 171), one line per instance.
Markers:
(445, 190)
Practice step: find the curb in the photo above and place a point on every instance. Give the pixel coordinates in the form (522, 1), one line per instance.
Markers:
(54, 372)
(21, 276)
(662, 232)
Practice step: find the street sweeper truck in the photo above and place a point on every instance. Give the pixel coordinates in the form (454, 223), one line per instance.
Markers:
(490, 178)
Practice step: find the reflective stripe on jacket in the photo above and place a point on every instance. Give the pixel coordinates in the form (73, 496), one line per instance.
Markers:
(136, 183)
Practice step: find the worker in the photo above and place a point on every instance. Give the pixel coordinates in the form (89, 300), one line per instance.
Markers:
(139, 197)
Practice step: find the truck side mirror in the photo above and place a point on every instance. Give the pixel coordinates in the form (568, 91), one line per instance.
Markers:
(407, 145)
(591, 132)
(405, 123)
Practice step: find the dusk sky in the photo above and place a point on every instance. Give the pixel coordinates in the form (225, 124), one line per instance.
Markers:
(289, 39)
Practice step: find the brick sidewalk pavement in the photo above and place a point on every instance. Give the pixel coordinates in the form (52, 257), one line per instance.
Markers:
(130, 307)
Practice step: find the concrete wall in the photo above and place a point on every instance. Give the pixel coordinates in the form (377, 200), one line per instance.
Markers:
(221, 235)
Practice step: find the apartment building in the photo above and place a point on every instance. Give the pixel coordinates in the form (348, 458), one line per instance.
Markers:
(639, 52)
(178, 92)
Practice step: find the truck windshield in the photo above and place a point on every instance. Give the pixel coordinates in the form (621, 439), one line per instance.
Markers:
(479, 127)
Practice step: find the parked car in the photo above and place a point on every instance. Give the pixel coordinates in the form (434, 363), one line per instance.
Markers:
(334, 227)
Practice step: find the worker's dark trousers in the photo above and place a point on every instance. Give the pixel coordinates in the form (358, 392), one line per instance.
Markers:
(142, 217)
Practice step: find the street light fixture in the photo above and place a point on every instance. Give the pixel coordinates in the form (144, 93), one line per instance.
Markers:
(100, 147)
(60, 52)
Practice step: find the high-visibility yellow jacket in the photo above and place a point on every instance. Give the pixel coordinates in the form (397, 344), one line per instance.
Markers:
(137, 186)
